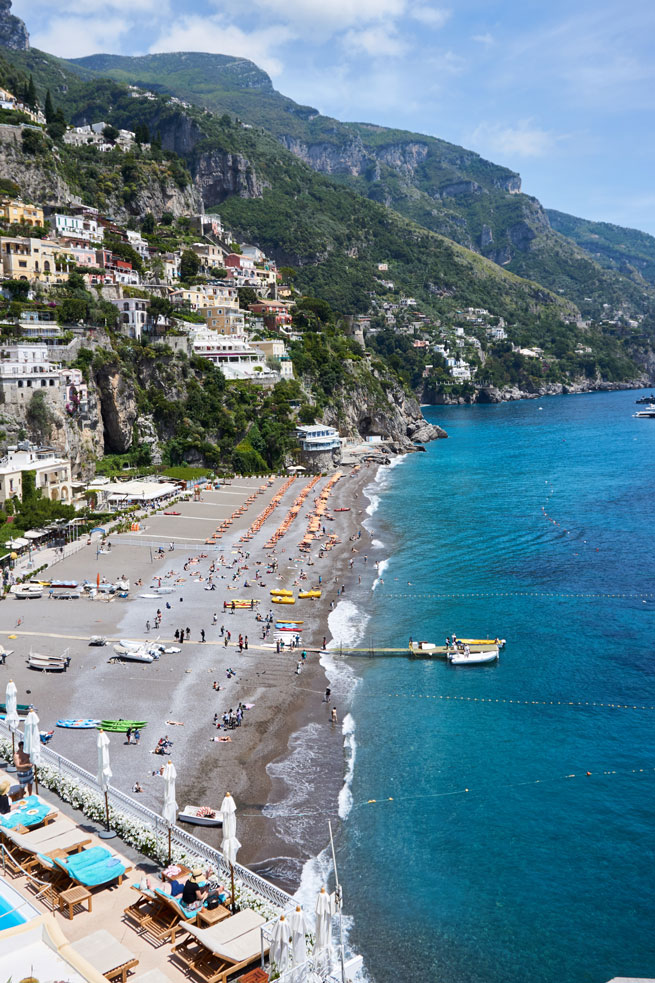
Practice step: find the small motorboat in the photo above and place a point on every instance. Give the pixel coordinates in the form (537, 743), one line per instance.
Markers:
(63, 594)
(465, 657)
(200, 816)
(24, 592)
(137, 653)
(170, 512)
(97, 640)
(49, 663)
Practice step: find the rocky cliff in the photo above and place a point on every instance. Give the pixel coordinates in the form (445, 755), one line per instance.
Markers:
(13, 33)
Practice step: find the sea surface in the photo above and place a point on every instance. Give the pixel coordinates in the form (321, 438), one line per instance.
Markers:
(512, 836)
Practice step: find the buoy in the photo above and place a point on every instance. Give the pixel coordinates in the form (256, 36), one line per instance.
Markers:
(589, 773)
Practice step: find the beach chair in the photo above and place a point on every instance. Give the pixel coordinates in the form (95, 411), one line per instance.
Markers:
(166, 916)
(107, 955)
(140, 910)
(95, 867)
(21, 850)
(217, 952)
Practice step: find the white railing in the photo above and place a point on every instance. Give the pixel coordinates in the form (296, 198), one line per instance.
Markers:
(121, 802)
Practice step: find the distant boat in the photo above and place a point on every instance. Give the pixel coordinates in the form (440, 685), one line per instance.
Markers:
(200, 816)
(24, 592)
(121, 726)
(133, 652)
(646, 399)
(97, 640)
(648, 414)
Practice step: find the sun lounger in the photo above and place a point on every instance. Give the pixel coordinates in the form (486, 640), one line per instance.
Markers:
(94, 867)
(166, 915)
(21, 850)
(32, 812)
(107, 956)
(141, 909)
(217, 952)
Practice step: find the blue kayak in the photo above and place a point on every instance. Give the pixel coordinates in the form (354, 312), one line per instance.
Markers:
(78, 724)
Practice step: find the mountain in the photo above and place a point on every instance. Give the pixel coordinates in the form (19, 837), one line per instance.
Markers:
(627, 250)
(440, 186)
(13, 33)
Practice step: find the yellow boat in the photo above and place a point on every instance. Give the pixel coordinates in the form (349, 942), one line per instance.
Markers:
(500, 642)
(283, 600)
(309, 593)
(282, 593)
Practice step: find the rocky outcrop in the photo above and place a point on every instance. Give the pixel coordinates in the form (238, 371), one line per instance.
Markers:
(36, 181)
(456, 188)
(363, 410)
(492, 394)
(355, 159)
(219, 174)
(13, 33)
(119, 409)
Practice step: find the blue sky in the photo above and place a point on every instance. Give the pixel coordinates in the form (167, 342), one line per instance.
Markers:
(561, 91)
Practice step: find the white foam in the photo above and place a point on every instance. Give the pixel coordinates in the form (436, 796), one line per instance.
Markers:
(350, 750)
(347, 624)
(382, 566)
(377, 544)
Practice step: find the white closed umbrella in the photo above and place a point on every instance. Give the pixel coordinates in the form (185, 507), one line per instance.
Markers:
(169, 812)
(103, 778)
(11, 717)
(32, 741)
(279, 954)
(299, 929)
(230, 846)
(323, 926)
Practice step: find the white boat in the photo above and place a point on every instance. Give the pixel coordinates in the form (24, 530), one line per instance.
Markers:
(25, 591)
(200, 816)
(163, 590)
(97, 640)
(137, 654)
(465, 657)
(647, 414)
(49, 663)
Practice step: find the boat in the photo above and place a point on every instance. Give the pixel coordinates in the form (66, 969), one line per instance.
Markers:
(163, 590)
(648, 414)
(22, 709)
(136, 654)
(341, 510)
(61, 583)
(498, 642)
(82, 724)
(309, 593)
(288, 623)
(200, 816)
(97, 640)
(24, 592)
(49, 663)
(63, 594)
(283, 600)
(278, 592)
(170, 512)
(646, 399)
(464, 658)
(121, 726)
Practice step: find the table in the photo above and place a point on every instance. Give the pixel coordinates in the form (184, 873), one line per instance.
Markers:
(211, 916)
(182, 876)
(74, 895)
(255, 976)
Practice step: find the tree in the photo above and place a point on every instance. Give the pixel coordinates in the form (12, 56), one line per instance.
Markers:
(247, 296)
(288, 274)
(71, 310)
(148, 224)
(18, 289)
(33, 142)
(110, 133)
(75, 283)
(167, 218)
(218, 272)
(189, 264)
(30, 94)
(49, 109)
(38, 415)
(160, 306)
(58, 126)
(141, 133)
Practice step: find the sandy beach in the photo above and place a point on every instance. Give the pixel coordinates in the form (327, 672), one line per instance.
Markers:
(176, 694)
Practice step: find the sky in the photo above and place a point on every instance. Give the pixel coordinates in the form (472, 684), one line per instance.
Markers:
(562, 91)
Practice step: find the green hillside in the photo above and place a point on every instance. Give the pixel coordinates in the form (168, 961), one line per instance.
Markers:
(628, 250)
(443, 187)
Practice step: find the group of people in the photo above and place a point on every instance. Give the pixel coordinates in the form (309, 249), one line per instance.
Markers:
(133, 735)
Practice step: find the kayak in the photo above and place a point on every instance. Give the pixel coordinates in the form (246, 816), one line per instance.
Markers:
(22, 709)
(288, 623)
(78, 724)
(120, 726)
(283, 600)
(309, 593)
(482, 641)
(281, 593)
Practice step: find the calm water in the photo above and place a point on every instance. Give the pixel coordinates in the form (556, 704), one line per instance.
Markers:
(528, 875)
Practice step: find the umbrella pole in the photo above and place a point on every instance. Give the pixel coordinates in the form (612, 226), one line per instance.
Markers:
(106, 834)
(36, 779)
(234, 903)
(11, 767)
(169, 844)
(107, 810)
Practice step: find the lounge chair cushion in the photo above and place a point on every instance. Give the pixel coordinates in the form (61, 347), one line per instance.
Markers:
(64, 841)
(216, 936)
(102, 951)
(176, 903)
(246, 946)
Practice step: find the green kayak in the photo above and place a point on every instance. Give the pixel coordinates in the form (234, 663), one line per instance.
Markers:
(21, 708)
(121, 726)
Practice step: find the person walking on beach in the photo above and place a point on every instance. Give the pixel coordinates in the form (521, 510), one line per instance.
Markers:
(202, 634)
(277, 646)
(326, 698)
(225, 640)
(137, 735)
(214, 618)
(333, 716)
(245, 643)
(188, 633)
(129, 735)
(147, 626)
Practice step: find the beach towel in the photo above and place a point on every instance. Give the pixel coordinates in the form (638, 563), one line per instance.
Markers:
(32, 812)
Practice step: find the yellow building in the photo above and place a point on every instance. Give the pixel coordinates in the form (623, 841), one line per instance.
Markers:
(19, 211)
(35, 259)
(224, 320)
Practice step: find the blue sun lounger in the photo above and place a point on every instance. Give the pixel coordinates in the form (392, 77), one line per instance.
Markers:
(94, 867)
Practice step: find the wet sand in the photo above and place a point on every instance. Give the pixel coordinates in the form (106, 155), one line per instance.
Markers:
(178, 687)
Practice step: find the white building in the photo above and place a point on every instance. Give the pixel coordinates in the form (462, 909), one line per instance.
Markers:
(134, 315)
(318, 437)
(138, 244)
(77, 227)
(52, 474)
(234, 356)
(26, 369)
(275, 348)
(496, 333)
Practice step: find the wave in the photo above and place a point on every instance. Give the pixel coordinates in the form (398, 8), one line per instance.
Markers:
(347, 624)
(350, 750)
(381, 567)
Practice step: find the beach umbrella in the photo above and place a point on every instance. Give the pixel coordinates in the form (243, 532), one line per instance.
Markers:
(298, 925)
(32, 742)
(103, 778)
(323, 926)
(169, 812)
(279, 954)
(11, 717)
(230, 846)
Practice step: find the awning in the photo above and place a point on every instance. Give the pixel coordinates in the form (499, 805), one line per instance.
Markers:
(17, 544)
(35, 533)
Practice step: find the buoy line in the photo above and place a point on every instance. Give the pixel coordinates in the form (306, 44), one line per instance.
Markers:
(525, 703)
(630, 596)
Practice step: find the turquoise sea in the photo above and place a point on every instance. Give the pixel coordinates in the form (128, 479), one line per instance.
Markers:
(499, 858)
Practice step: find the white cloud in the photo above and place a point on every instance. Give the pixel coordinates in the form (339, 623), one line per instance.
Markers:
(486, 39)
(377, 42)
(432, 16)
(335, 15)
(217, 37)
(522, 140)
(75, 37)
